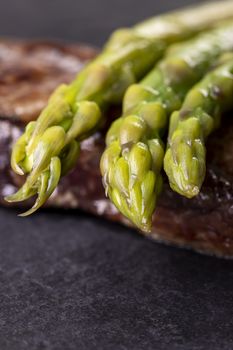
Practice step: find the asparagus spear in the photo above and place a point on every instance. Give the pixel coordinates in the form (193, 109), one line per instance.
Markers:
(185, 159)
(131, 164)
(50, 146)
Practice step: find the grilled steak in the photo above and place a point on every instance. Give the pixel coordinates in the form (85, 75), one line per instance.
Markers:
(204, 223)
(30, 71)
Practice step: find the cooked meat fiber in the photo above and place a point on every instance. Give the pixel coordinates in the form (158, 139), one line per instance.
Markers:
(30, 71)
(204, 223)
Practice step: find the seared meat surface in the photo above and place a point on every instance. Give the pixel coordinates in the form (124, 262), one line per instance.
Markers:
(30, 71)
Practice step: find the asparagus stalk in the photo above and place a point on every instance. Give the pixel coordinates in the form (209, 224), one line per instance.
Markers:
(185, 159)
(49, 147)
(132, 162)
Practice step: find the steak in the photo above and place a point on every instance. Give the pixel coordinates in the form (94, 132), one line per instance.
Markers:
(204, 223)
(30, 71)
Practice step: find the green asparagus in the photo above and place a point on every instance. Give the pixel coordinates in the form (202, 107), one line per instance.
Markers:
(185, 159)
(49, 147)
(131, 164)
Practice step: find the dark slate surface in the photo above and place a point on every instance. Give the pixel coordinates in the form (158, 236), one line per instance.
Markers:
(71, 281)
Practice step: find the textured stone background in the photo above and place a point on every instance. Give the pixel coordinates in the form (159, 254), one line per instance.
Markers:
(70, 281)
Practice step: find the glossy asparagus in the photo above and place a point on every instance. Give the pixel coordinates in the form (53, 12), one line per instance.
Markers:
(132, 162)
(185, 159)
(50, 146)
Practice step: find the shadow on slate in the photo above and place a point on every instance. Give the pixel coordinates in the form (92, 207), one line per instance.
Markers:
(70, 281)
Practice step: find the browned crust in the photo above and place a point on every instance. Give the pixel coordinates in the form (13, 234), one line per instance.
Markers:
(31, 70)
